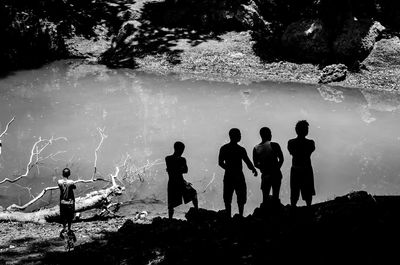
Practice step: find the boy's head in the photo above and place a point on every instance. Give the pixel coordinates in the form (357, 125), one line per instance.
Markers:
(234, 135)
(302, 128)
(66, 172)
(265, 134)
(179, 147)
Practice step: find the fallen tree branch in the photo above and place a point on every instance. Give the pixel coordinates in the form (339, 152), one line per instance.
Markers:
(103, 136)
(5, 131)
(8, 125)
(36, 150)
(95, 199)
(15, 207)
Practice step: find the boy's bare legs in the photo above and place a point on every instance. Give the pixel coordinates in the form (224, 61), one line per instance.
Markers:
(228, 209)
(195, 202)
(241, 209)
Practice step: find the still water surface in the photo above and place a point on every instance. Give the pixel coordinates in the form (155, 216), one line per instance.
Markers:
(357, 133)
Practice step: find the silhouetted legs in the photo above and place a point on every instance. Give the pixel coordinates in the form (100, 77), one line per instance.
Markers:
(195, 202)
(238, 186)
(308, 201)
(294, 197)
(276, 186)
(170, 213)
(241, 209)
(195, 205)
(228, 209)
(65, 225)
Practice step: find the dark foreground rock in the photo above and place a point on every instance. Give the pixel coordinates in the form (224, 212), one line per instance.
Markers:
(357, 228)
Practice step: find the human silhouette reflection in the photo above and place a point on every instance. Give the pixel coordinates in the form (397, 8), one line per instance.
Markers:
(230, 159)
(268, 157)
(301, 173)
(178, 188)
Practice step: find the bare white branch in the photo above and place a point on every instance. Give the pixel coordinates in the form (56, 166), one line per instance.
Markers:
(36, 150)
(103, 136)
(43, 192)
(6, 129)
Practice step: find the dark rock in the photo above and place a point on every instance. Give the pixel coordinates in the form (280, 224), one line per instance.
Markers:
(356, 40)
(388, 12)
(307, 40)
(333, 73)
(356, 209)
(249, 17)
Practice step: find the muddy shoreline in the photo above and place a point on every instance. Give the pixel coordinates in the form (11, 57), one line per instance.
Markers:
(231, 58)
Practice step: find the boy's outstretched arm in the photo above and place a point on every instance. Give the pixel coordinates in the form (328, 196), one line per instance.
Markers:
(246, 159)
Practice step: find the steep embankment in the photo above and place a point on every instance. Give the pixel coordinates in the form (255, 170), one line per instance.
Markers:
(35, 32)
(239, 41)
(246, 40)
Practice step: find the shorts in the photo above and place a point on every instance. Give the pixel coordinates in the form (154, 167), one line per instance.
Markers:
(178, 191)
(189, 193)
(237, 185)
(270, 180)
(67, 212)
(302, 182)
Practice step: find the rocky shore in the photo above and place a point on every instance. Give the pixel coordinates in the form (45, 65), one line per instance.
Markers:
(237, 41)
(355, 228)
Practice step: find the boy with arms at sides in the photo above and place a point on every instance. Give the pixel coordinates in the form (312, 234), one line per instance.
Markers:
(268, 157)
(67, 201)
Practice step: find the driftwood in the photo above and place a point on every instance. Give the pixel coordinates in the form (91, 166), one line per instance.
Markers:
(93, 200)
(96, 199)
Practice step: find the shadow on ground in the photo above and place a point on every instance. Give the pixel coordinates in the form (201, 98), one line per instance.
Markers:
(356, 228)
(164, 28)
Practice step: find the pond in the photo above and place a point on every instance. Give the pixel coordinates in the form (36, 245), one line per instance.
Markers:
(357, 132)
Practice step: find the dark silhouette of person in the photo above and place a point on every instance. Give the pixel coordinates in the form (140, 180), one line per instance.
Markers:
(268, 158)
(178, 188)
(230, 159)
(67, 200)
(301, 173)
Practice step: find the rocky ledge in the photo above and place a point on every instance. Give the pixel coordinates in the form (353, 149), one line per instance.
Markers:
(357, 228)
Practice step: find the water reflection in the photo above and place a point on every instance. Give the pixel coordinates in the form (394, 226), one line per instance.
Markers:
(356, 132)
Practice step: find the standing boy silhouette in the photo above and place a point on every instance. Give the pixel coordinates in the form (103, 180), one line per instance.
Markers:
(268, 157)
(230, 159)
(178, 188)
(301, 173)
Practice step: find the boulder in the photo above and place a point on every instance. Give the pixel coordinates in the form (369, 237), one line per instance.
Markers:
(333, 73)
(356, 40)
(307, 41)
(386, 52)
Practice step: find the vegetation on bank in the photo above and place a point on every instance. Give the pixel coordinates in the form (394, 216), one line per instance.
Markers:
(146, 34)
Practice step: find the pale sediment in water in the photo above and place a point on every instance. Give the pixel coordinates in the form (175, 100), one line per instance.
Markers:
(356, 130)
